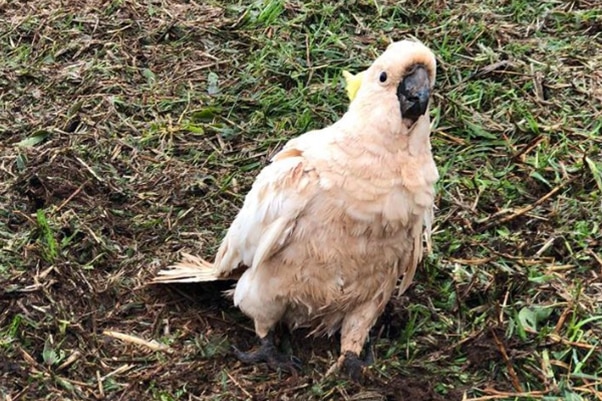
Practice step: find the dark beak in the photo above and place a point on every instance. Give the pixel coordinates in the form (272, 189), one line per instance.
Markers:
(414, 93)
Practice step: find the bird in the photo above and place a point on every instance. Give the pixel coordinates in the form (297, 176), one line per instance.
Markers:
(337, 220)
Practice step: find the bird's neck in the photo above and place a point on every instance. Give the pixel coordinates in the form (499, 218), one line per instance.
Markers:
(376, 124)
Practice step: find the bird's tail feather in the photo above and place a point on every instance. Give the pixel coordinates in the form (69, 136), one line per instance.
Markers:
(191, 269)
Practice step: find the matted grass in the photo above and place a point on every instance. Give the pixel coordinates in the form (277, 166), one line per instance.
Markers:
(132, 130)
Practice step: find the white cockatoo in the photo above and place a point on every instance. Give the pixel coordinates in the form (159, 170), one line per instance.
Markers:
(337, 217)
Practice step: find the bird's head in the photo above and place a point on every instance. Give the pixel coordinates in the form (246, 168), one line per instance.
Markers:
(404, 72)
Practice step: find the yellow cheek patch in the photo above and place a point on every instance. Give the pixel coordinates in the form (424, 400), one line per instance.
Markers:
(353, 83)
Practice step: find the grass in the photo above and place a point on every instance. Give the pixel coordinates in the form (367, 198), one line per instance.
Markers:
(132, 130)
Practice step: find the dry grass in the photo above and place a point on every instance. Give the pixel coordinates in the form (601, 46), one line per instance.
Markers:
(132, 130)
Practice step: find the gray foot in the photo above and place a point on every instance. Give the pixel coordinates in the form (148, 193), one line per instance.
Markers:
(268, 353)
(353, 366)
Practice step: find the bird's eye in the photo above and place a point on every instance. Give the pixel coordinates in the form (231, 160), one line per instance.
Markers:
(383, 77)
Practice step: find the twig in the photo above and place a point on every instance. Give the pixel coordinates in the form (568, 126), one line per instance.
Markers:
(585, 389)
(72, 358)
(562, 318)
(511, 371)
(530, 146)
(239, 385)
(83, 163)
(100, 386)
(558, 339)
(598, 258)
(496, 395)
(494, 220)
(153, 345)
(73, 195)
(121, 369)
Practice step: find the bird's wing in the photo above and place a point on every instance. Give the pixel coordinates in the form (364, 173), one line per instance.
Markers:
(270, 211)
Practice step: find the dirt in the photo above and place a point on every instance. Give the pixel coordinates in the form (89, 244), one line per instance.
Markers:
(134, 162)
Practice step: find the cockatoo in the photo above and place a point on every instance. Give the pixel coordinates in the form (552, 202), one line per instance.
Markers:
(338, 217)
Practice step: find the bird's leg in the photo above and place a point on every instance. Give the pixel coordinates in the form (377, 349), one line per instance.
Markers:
(350, 364)
(354, 333)
(353, 366)
(369, 356)
(268, 353)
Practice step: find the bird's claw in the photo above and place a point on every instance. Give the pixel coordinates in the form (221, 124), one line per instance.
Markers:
(268, 353)
(353, 366)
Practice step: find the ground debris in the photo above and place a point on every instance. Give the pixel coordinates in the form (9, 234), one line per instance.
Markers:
(130, 132)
